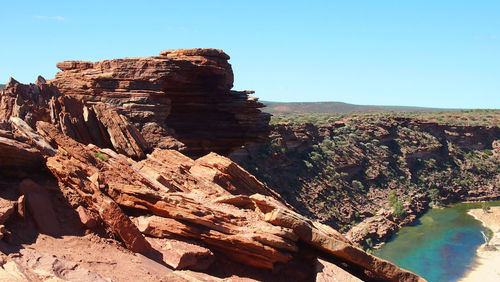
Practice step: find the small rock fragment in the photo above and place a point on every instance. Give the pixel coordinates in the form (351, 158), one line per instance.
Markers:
(86, 217)
(21, 206)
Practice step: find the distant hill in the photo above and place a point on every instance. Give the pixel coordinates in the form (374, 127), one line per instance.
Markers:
(336, 107)
(2, 86)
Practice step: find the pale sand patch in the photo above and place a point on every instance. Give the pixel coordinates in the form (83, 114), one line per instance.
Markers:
(488, 261)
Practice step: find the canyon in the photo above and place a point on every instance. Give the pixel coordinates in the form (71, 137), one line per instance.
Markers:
(367, 175)
(128, 169)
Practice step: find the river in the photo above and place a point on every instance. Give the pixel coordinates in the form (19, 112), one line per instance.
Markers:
(442, 244)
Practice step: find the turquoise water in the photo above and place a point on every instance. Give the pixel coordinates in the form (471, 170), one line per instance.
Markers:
(441, 246)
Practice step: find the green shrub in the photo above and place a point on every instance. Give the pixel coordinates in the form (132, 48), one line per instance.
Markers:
(434, 195)
(392, 198)
(356, 184)
(399, 211)
(485, 207)
(101, 156)
(369, 242)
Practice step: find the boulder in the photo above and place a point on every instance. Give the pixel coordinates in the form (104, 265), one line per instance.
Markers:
(181, 255)
(229, 175)
(329, 272)
(87, 218)
(28, 132)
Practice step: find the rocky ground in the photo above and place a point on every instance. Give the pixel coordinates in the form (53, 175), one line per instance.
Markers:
(101, 180)
(367, 175)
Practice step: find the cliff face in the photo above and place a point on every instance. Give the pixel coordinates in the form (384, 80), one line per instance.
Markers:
(343, 172)
(184, 94)
(89, 193)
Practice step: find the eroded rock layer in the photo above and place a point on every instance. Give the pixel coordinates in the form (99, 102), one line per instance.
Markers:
(185, 213)
(108, 201)
(212, 201)
(22, 105)
(186, 91)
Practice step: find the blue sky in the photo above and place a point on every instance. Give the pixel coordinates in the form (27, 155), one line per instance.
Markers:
(416, 53)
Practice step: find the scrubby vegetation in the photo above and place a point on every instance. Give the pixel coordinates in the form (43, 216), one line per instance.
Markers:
(335, 107)
(459, 117)
(341, 169)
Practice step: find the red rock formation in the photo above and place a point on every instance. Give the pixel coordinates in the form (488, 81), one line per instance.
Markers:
(182, 255)
(27, 102)
(19, 158)
(40, 206)
(211, 201)
(254, 230)
(201, 214)
(330, 272)
(185, 90)
(23, 105)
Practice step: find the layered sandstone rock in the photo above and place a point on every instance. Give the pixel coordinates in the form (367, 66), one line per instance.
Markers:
(247, 226)
(19, 158)
(21, 106)
(110, 177)
(211, 202)
(29, 102)
(188, 91)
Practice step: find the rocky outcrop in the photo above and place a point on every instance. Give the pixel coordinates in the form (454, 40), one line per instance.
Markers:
(243, 224)
(186, 91)
(29, 102)
(21, 106)
(384, 224)
(20, 158)
(108, 179)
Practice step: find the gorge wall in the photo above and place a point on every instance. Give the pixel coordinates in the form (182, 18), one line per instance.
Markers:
(371, 174)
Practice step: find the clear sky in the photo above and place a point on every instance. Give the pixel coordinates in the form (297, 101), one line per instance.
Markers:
(414, 53)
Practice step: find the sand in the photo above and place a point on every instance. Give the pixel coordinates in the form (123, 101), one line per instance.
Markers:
(488, 261)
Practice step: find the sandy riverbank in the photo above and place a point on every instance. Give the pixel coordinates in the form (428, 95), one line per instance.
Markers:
(488, 261)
